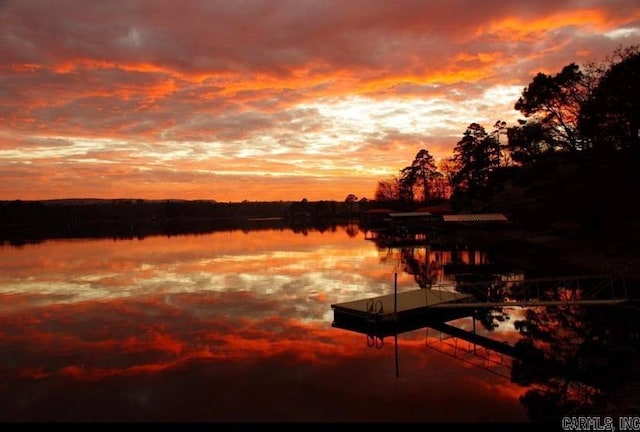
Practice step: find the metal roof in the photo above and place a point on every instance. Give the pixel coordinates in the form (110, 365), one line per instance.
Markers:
(480, 217)
(410, 214)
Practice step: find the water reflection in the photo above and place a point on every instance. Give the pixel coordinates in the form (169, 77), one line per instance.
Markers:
(567, 360)
(226, 326)
(569, 353)
(437, 264)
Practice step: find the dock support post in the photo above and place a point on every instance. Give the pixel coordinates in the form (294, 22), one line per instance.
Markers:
(395, 296)
(395, 319)
(395, 336)
(474, 330)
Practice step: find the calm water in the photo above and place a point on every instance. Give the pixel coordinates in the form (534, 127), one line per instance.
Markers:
(232, 326)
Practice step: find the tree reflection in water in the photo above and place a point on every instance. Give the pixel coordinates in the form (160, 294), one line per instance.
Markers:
(579, 355)
(571, 357)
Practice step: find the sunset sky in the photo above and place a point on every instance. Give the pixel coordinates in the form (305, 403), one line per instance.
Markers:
(267, 99)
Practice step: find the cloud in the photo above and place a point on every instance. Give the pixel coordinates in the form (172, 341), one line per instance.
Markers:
(270, 81)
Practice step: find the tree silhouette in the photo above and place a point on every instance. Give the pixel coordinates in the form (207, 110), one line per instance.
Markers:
(499, 129)
(475, 156)
(554, 102)
(425, 168)
(612, 115)
(388, 190)
(419, 174)
(527, 141)
(351, 203)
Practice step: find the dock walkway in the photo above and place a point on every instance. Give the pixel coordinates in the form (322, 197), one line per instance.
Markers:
(413, 309)
(386, 311)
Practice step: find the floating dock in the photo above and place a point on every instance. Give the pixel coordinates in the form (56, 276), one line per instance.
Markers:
(409, 310)
(403, 311)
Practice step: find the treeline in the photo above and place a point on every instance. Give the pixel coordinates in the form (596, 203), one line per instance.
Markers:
(32, 221)
(82, 211)
(572, 160)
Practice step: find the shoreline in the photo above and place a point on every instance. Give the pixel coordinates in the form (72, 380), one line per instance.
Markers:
(583, 254)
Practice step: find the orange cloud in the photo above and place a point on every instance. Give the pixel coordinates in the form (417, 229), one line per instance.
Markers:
(596, 19)
(151, 106)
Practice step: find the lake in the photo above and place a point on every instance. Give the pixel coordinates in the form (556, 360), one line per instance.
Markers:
(237, 326)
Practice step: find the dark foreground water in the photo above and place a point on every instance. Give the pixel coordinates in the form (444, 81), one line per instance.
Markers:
(237, 326)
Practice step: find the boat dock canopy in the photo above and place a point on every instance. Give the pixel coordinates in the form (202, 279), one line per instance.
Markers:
(409, 214)
(474, 218)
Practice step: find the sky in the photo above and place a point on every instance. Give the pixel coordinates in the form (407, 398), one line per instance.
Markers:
(267, 100)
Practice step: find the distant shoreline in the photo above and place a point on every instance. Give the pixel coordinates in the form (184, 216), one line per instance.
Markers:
(38, 220)
(32, 221)
(85, 201)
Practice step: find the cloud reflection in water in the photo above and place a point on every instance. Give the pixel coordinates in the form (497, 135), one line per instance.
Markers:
(225, 326)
